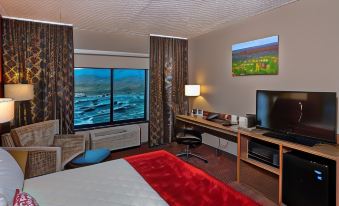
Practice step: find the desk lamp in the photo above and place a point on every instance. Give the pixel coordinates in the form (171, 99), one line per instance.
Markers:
(191, 90)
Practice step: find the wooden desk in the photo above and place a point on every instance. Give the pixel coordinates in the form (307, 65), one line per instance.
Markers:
(228, 133)
(268, 179)
(200, 122)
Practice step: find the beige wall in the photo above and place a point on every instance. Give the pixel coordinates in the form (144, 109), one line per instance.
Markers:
(95, 40)
(2, 10)
(110, 61)
(91, 40)
(309, 56)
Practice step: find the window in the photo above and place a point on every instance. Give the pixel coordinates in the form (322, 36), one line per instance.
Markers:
(109, 96)
(128, 94)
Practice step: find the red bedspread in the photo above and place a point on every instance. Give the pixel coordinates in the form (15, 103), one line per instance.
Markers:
(181, 184)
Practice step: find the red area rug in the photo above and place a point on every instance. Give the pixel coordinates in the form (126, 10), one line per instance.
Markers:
(181, 184)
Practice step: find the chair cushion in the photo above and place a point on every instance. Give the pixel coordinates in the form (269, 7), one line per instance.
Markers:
(11, 176)
(38, 134)
(189, 140)
(92, 157)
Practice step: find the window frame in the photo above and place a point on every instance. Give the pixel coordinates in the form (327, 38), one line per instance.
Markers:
(112, 122)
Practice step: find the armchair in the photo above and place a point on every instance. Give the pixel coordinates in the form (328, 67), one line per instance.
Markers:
(48, 151)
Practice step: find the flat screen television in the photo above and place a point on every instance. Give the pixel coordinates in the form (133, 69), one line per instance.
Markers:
(301, 115)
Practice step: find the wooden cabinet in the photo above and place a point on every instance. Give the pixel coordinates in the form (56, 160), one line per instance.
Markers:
(264, 178)
(268, 179)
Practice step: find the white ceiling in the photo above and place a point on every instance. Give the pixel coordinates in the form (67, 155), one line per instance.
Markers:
(184, 18)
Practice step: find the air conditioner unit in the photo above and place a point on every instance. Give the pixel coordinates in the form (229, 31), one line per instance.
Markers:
(114, 138)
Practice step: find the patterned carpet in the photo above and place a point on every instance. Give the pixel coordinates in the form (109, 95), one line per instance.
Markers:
(222, 167)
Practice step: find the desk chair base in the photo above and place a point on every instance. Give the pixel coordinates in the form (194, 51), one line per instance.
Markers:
(187, 153)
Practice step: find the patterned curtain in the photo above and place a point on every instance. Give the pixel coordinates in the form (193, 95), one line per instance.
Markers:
(168, 76)
(1, 76)
(41, 54)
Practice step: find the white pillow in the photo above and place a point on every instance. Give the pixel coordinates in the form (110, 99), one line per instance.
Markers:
(3, 200)
(11, 176)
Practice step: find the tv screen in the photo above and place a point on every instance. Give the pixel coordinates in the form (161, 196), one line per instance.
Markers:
(308, 114)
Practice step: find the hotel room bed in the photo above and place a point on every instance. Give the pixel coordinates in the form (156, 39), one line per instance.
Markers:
(110, 183)
(151, 179)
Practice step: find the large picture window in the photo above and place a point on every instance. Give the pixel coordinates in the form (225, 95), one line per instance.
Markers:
(109, 96)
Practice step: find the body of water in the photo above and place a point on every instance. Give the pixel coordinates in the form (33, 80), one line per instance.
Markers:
(94, 109)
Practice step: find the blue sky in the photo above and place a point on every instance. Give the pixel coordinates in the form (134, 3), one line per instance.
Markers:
(255, 43)
(118, 74)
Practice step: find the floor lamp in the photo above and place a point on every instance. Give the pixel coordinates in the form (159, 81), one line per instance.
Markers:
(6, 114)
(191, 90)
(19, 93)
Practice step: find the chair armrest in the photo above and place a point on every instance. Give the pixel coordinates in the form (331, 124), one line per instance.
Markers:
(40, 160)
(71, 146)
(7, 141)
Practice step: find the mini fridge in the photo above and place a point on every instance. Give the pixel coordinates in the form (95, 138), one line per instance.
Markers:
(308, 180)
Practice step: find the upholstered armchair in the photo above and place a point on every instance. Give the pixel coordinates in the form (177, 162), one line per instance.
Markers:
(48, 151)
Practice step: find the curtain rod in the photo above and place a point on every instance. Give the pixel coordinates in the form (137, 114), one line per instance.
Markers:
(174, 37)
(37, 21)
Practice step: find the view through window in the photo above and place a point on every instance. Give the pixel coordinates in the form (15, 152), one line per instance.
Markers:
(104, 96)
(128, 94)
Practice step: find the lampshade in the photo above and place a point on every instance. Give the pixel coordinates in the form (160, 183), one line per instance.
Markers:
(19, 92)
(6, 110)
(192, 90)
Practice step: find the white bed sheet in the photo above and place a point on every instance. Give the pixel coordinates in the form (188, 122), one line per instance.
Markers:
(110, 183)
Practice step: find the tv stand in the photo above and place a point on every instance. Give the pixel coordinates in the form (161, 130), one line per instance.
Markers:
(268, 179)
(292, 138)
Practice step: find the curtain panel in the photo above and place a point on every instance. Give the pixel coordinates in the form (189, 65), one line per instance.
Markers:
(43, 55)
(1, 72)
(168, 76)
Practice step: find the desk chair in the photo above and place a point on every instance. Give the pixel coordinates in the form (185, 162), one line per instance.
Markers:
(191, 139)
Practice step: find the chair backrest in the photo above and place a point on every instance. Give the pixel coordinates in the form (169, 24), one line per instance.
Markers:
(38, 134)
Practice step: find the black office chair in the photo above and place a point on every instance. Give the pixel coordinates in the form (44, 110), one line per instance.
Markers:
(191, 138)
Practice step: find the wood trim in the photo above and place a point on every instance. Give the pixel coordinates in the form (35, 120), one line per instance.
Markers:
(337, 183)
(238, 157)
(280, 174)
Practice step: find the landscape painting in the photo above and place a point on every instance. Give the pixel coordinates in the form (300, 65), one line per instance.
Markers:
(258, 57)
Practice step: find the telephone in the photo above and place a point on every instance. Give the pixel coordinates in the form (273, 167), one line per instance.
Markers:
(212, 116)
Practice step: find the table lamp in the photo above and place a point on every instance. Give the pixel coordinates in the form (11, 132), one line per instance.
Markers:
(6, 113)
(191, 90)
(19, 93)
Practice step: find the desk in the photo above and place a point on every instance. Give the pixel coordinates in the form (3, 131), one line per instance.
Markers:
(209, 125)
(268, 179)
(228, 133)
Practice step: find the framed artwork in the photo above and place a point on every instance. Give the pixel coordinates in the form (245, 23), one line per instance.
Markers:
(258, 57)
(198, 112)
